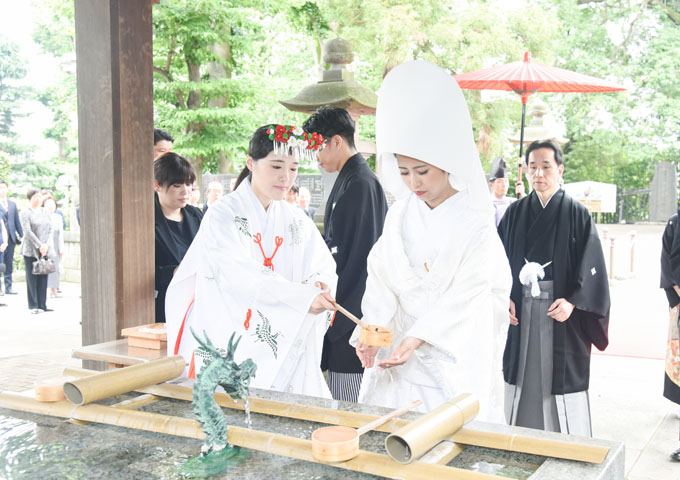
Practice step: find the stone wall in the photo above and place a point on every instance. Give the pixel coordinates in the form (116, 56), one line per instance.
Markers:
(71, 257)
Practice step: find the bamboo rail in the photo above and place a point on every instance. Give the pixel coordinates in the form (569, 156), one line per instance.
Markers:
(301, 449)
(466, 436)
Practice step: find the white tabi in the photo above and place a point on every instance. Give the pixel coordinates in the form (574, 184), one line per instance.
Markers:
(222, 286)
(439, 275)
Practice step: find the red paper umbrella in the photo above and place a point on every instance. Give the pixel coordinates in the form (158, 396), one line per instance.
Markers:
(527, 77)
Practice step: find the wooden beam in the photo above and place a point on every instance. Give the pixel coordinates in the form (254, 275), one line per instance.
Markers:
(115, 131)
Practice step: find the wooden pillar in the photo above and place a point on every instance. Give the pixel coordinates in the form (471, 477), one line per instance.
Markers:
(115, 140)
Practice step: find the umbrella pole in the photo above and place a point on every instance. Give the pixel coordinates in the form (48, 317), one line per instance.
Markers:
(521, 142)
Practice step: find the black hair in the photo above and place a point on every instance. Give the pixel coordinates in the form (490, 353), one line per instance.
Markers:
(159, 135)
(259, 147)
(295, 188)
(2, 182)
(171, 169)
(330, 121)
(31, 192)
(551, 144)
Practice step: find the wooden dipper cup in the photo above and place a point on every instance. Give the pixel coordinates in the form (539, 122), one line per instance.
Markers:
(372, 335)
(338, 443)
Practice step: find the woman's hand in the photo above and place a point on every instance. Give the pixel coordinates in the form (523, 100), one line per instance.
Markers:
(366, 354)
(513, 314)
(322, 286)
(43, 249)
(403, 352)
(560, 310)
(3, 247)
(321, 303)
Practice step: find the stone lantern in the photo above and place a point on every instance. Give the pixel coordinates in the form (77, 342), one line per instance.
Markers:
(537, 129)
(336, 87)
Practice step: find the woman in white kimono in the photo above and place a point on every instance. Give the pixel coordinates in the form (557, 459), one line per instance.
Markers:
(438, 276)
(259, 267)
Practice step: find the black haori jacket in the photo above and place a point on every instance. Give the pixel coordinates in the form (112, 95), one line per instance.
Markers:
(353, 222)
(670, 260)
(565, 233)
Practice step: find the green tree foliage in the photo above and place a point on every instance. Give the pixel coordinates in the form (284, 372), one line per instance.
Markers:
(219, 69)
(12, 94)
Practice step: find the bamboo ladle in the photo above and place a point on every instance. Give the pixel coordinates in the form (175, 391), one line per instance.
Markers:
(373, 335)
(338, 443)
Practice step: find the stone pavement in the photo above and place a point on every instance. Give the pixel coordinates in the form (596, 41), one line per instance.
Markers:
(626, 382)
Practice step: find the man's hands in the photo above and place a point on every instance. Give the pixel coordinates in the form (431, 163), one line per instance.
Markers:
(560, 310)
(513, 314)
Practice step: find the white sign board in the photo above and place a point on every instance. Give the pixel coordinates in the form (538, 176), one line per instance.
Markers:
(596, 196)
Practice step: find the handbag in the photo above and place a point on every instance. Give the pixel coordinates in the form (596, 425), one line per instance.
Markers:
(43, 266)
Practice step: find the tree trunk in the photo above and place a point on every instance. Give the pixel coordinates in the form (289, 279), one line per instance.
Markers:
(217, 70)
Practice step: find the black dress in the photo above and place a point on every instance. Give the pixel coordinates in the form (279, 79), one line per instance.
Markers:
(172, 242)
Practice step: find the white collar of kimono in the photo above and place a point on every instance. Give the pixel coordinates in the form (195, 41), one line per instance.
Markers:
(262, 214)
(551, 196)
(422, 113)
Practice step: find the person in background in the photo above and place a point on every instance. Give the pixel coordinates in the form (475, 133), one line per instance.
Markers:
(292, 195)
(3, 246)
(304, 200)
(36, 223)
(176, 221)
(58, 244)
(49, 193)
(162, 143)
(670, 282)
(9, 211)
(353, 221)
(213, 193)
(559, 304)
(499, 183)
(195, 196)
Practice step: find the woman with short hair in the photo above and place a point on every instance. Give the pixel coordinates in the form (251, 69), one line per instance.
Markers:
(176, 222)
(36, 243)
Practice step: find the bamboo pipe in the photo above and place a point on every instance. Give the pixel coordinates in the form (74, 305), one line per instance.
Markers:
(301, 449)
(115, 382)
(479, 438)
(416, 438)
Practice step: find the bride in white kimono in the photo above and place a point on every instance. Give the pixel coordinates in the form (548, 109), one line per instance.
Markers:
(259, 267)
(438, 276)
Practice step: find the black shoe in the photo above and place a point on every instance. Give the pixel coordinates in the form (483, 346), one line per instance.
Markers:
(11, 292)
(47, 309)
(676, 455)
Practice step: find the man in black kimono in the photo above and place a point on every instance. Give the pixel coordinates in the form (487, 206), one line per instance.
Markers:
(353, 222)
(559, 303)
(670, 282)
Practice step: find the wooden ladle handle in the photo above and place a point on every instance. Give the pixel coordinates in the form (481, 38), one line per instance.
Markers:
(379, 421)
(349, 315)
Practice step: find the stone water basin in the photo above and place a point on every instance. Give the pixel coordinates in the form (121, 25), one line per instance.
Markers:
(41, 447)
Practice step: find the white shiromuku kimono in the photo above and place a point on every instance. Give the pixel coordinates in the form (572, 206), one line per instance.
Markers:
(458, 307)
(458, 304)
(222, 286)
